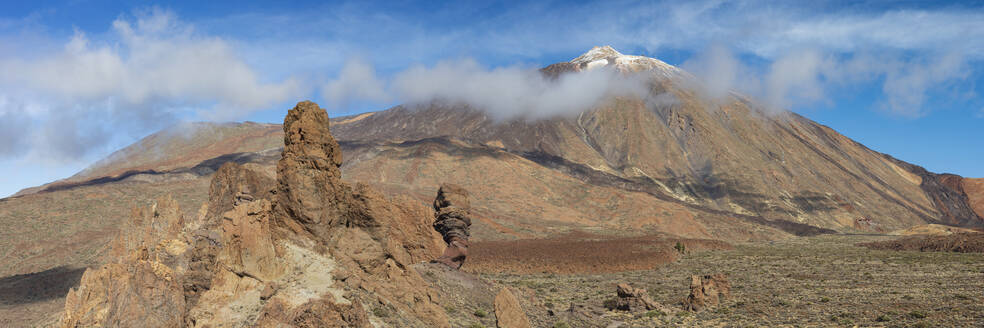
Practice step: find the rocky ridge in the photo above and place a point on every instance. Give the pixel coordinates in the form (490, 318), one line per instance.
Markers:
(305, 250)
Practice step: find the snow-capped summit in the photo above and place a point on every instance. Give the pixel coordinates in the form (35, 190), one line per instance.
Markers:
(606, 55)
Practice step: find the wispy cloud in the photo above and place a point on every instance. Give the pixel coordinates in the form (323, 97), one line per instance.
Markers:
(149, 71)
(503, 93)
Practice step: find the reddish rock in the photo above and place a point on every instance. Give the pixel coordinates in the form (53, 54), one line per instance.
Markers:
(707, 291)
(508, 313)
(633, 299)
(452, 220)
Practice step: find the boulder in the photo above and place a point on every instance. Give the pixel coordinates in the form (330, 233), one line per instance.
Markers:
(633, 299)
(508, 313)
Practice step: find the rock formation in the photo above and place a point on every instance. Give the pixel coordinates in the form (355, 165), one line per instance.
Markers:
(452, 221)
(633, 299)
(304, 250)
(508, 313)
(139, 287)
(707, 291)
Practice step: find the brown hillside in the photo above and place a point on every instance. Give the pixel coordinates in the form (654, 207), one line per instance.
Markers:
(974, 188)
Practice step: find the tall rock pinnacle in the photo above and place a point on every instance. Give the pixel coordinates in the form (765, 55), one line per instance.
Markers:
(308, 175)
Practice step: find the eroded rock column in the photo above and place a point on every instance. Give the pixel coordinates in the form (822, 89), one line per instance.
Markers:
(452, 221)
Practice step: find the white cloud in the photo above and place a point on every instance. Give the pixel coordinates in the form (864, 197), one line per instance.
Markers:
(905, 89)
(143, 75)
(512, 92)
(796, 78)
(357, 81)
(503, 93)
(720, 72)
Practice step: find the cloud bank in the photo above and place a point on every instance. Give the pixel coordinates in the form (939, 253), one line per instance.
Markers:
(147, 73)
(503, 93)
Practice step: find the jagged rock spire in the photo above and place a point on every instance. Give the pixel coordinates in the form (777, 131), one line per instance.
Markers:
(308, 174)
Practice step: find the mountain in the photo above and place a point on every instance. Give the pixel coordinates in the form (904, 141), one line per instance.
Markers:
(684, 163)
(682, 166)
(708, 158)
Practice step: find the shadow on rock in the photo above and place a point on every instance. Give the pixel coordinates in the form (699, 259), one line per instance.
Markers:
(39, 286)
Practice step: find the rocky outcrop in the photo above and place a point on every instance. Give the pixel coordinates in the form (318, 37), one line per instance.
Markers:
(508, 313)
(452, 221)
(139, 287)
(974, 188)
(304, 250)
(707, 291)
(633, 299)
(948, 196)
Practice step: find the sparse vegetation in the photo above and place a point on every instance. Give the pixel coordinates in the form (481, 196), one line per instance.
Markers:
(816, 281)
(655, 313)
(380, 312)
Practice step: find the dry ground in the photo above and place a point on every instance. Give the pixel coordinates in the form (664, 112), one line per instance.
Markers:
(965, 242)
(823, 281)
(581, 252)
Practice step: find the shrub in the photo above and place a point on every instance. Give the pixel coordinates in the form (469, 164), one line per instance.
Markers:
(917, 314)
(680, 247)
(655, 313)
(380, 312)
(481, 313)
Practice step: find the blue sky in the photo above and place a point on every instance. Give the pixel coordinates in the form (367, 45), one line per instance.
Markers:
(83, 78)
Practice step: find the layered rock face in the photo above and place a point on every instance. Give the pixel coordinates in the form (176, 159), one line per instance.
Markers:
(302, 249)
(452, 220)
(974, 188)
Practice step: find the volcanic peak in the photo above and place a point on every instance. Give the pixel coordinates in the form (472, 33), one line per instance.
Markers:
(602, 56)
